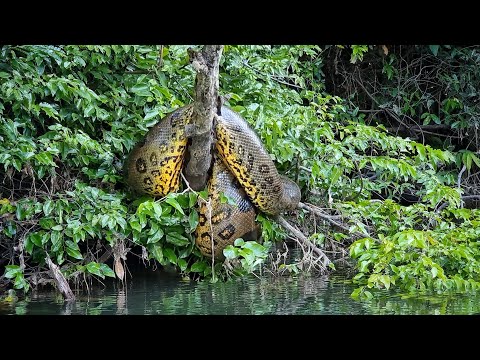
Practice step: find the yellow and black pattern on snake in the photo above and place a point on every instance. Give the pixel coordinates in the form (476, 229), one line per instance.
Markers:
(228, 222)
(243, 153)
(153, 166)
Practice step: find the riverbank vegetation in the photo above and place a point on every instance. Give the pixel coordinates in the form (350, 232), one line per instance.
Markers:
(382, 141)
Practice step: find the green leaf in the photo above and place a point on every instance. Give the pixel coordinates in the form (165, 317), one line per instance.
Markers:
(21, 283)
(225, 199)
(121, 221)
(175, 204)
(467, 159)
(105, 269)
(199, 266)
(239, 242)
(385, 279)
(57, 227)
(74, 254)
(150, 114)
(56, 240)
(203, 194)
(230, 252)
(49, 109)
(193, 220)
(157, 209)
(182, 263)
(155, 237)
(11, 271)
(476, 160)
(94, 268)
(141, 90)
(88, 110)
(177, 239)
(29, 245)
(192, 197)
(170, 255)
(134, 224)
(258, 250)
(356, 293)
(20, 212)
(73, 250)
(36, 238)
(434, 49)
(157, 252)
(47, 207)
(60, 258)
(45, 158)
(183, 200)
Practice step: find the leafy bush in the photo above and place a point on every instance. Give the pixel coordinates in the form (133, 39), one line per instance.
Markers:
(69, 115)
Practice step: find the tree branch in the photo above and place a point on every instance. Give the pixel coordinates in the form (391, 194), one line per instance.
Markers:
(206, 63)
(328, 218)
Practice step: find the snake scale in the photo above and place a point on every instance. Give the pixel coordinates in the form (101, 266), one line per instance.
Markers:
(242, 170)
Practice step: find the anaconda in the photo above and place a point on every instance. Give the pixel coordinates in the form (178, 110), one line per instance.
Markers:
(154, 165)
(226, 221)
(243, 153)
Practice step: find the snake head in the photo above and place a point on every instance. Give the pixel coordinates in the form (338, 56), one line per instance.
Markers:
(291, 194)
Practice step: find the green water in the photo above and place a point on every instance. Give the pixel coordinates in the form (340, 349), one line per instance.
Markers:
(151, 293)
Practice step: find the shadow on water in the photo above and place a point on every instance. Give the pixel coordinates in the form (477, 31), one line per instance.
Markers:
(162, 293)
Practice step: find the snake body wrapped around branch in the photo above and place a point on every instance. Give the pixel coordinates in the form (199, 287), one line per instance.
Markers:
(242, 170)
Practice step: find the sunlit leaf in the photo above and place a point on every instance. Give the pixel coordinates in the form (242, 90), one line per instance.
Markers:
(229, 252)
(94, 268)
(175, 204)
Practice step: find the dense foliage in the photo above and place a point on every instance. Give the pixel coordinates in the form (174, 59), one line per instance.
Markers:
(70, 114)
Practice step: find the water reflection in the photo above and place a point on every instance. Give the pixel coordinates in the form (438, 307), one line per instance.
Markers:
(156, 292)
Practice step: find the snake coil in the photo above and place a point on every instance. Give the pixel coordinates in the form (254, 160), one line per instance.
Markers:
(242, 170)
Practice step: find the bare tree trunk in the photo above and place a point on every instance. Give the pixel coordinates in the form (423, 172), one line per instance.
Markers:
(204, 109)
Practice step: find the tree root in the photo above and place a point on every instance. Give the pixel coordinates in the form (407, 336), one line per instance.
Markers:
(325, 261)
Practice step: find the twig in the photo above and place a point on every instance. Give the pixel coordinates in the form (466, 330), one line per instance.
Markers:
(160, 57)
(389, 111)
(327, 217)
(460, 175)
(273, 77)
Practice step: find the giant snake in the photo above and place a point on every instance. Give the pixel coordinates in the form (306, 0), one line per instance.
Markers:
(242, 170)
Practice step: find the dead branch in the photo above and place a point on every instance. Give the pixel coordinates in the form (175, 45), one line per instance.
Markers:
(60, 280)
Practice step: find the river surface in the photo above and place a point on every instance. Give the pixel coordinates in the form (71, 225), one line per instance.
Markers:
(162, 293)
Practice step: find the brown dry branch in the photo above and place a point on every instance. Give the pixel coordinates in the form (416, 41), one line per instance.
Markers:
(60, 280)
